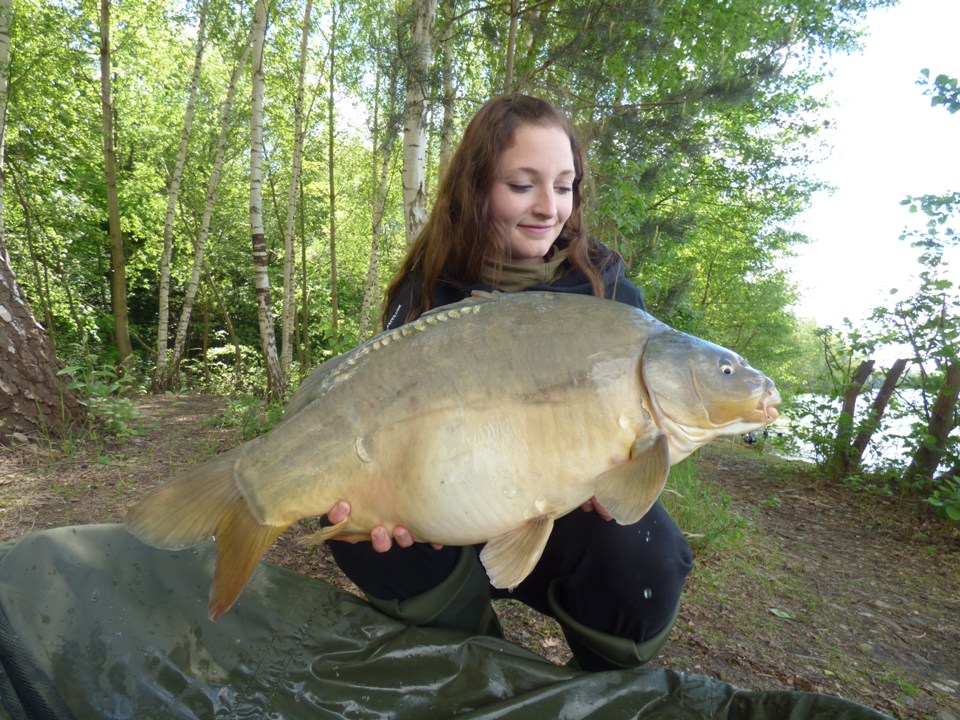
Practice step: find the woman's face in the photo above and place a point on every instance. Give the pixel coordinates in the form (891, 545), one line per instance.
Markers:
(532, 193)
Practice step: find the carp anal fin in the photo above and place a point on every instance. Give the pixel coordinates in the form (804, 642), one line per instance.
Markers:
(629, 490)
(510, 557)
(344, 530)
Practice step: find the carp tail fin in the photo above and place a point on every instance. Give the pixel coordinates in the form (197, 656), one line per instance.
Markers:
(205, 502)
(241, 542)
(187, 510)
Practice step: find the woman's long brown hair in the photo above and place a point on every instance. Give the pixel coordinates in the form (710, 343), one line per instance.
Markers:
(459, 232)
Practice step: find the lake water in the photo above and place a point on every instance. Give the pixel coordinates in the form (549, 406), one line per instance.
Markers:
(889, 445)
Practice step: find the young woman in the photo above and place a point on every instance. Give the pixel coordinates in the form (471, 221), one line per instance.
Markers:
(508, 217)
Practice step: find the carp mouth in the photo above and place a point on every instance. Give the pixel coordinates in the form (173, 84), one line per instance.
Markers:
(768, 403)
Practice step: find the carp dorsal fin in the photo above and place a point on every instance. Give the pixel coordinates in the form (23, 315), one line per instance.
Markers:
(341, 368)
(630, 489)
(510, 557)
(469, 304)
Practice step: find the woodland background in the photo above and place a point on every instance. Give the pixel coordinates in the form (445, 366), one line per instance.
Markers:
(210, 196)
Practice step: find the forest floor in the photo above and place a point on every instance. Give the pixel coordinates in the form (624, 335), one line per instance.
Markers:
(831, 590)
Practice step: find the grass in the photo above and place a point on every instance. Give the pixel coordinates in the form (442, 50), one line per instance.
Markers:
(703, 511)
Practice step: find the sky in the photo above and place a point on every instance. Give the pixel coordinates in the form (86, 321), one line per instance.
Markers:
(888, 143)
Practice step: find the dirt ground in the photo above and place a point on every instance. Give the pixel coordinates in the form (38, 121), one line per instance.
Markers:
(832, 591)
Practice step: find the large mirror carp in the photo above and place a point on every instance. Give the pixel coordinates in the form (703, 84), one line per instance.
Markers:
(479, 422)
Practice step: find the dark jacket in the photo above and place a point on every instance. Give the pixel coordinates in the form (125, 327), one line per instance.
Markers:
(448, 291)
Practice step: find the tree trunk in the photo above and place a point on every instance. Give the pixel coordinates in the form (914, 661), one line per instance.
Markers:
(289, 256)
(261, 278)
(942, 421)
(511, 46)
(6, 20)
(839, 463)
(190, 295)
(118, 260)
(415, 118)
(877, 408)
(304, 344)
(33, 398)
(163, 323)
(381, 155)
(331, 142)
(447, 143)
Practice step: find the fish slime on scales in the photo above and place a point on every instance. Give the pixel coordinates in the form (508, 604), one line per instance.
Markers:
(480, 422)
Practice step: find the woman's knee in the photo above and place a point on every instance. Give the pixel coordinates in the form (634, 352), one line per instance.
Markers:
(629, 579)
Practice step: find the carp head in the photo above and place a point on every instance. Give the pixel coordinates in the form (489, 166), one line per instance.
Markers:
(699, 391)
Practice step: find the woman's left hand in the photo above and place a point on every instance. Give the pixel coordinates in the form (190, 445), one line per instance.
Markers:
(379, 535)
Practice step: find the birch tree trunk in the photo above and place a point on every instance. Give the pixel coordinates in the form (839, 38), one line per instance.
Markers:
(415, 118)
(289, 257)
(449, 91)
(304, 343)
(331, 142)
(163, 323)
(261, 279)
(190, 295)
(381, 155)
(118, 261)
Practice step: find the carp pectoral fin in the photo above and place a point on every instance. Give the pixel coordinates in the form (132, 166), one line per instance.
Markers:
(510, 557)
(241, 541)
(343, 530)
(630, 489)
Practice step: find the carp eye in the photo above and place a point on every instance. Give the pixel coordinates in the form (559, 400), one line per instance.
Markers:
(726, 367)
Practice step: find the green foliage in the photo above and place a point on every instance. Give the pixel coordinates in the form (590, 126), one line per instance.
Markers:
(697, 120)
(925, 324)
(107, 395)
(943, 90)
(946, 498)
(813, 426)
(251, 415)
(224, 370)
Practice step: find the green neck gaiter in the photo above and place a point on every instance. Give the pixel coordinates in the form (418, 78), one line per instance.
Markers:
(514, 277)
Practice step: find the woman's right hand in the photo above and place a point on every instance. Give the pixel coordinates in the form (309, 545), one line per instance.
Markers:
(379, 535)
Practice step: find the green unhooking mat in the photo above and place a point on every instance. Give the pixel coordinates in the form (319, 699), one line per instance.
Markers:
(94, 624)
